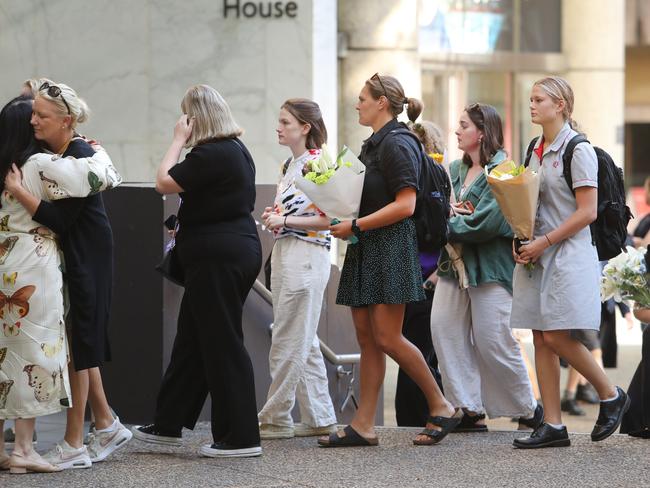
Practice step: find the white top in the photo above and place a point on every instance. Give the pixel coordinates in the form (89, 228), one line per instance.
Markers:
(562, 291)
(290, 201)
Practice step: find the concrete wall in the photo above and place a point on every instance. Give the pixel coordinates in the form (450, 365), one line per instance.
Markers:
(133, 60)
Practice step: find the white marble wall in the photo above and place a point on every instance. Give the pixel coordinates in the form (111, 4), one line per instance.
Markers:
(133, 60)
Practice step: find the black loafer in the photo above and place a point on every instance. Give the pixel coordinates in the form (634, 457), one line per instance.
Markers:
(571, 407)
(610, 416)
(544, 436)
(535, 421)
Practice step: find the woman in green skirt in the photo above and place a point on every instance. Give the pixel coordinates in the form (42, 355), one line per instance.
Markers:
(381, 272)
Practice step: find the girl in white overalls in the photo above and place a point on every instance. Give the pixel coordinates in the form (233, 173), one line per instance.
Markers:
(562, 291)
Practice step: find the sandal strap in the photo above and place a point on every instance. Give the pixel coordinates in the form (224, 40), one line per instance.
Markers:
(432, 433)
(443, 422)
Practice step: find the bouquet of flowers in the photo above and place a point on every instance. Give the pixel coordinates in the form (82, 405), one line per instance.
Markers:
(334, 185)
(516, 190)
(626, 277)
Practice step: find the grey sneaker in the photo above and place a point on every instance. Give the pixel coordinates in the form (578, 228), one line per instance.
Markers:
(306, 430)
(67, 457)
(271, 431)
(102, 444)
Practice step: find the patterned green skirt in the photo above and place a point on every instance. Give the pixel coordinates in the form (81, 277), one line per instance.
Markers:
(383, 267)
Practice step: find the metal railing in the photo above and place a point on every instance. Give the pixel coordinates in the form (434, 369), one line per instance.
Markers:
(338, 360)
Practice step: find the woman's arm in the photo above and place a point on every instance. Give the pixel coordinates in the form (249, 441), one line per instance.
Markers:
(315, 222)
(77, 177)
(165, 184)
(14, 185)
(585, 214)
(402, 207)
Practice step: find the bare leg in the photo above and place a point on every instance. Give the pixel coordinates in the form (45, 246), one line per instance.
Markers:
(75, 415)
(547, 365)
(372, 369)
(2, 437)
(97, 398)
(572, 381)
(24, 434)
(581, 359)
(386, 321)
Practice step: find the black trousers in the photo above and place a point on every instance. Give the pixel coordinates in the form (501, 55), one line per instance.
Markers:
(209, 354)
(411, 408)
(608, 342)
(636, 420)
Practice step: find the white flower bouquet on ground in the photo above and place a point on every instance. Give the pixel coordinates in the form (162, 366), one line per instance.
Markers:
(334, 186)
(625, 277)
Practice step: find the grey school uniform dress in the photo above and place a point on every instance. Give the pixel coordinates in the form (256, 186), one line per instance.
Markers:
(562, 291)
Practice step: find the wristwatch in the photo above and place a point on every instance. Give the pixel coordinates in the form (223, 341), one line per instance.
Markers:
(355, 228)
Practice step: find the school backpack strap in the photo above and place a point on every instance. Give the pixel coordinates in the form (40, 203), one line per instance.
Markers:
(529, 151)
(568, 157)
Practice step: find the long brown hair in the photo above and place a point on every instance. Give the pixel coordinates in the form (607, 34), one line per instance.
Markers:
(389, 87)
(487, 120)
(308, 112)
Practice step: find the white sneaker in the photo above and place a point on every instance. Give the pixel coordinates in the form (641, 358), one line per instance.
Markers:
(103, 443)
(67, 457)
(223, 450)
(306, 430)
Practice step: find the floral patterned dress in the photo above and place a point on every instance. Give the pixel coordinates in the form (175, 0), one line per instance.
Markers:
(33, 344)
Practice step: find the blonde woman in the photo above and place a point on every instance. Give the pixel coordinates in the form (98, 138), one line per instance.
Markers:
(87, 246)
(220, 252)
(562, 290)
(33, 345)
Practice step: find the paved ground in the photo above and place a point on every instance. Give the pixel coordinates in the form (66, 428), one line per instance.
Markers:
(472, 460)
(462, 460)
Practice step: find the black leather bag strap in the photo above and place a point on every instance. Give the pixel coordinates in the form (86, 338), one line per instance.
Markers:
(567, 157)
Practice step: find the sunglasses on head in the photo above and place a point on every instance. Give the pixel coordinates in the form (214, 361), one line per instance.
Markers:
(54, 91)
(378, 78)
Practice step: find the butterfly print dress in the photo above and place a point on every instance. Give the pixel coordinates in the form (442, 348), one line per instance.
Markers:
(33, 344)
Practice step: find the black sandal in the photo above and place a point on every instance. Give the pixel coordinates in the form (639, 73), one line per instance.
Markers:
(351, 439)
(446, 424)
(469, 424)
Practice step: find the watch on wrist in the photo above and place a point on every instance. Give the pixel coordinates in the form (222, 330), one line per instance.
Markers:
(355, 228)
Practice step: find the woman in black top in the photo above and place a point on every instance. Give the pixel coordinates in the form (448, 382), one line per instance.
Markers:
(381, 272)
(220, 252)
(86, 240)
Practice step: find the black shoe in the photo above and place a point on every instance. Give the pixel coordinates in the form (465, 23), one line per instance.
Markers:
(587, 393)
(150, 433)
(571, 407)
(544, 436)
(469, 423)
(535, 421)
(610, 416)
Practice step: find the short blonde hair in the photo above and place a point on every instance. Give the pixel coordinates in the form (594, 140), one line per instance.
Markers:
(79, 111)
(212, 116)
(31, 86)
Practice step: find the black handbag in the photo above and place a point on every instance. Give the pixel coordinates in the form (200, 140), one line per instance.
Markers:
(170, 266)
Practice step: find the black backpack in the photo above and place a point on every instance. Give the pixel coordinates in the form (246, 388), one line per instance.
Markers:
(609, 230)
(432, 201)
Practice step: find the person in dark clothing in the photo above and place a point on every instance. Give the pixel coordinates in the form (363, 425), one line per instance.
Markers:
(636, 421)
(220, 253)
(86, 240)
